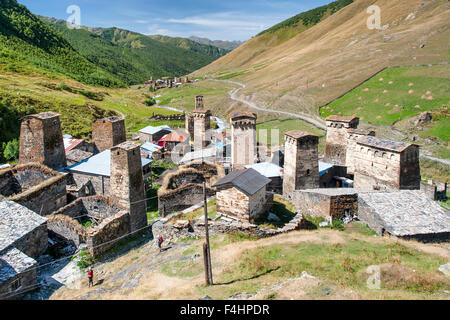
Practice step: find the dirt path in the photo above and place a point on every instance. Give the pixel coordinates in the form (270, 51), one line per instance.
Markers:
(233, 96)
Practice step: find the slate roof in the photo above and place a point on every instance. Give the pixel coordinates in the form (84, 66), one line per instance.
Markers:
(406, 213)
(13, 262)
(249, 180)
(297, 134)
(153, 130)
(100, 164)
(384, 144)
(16, 221)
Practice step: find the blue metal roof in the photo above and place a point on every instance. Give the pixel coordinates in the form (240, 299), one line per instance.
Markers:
(150, 147)
(267, 169)
(100, 164)
(324, 167)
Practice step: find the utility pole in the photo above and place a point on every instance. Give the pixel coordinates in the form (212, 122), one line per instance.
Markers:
(206, 247)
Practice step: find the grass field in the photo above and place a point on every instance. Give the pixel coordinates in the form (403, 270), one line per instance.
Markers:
(395, 94)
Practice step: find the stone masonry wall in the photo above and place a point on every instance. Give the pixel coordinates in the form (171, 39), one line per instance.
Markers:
(243, 144)
(28, 281)
(202, 125)
(301, 167)
(100, 184)
(109, 132)
(336, 143)
(34, 243)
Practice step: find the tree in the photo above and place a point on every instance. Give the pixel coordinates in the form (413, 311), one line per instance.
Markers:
(11, 151)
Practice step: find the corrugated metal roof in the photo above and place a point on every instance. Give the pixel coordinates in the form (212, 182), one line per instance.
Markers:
(71, 143)
(153, 130)
(100, 164)
(150, 147)
(249, 180)
(267, 169)
(200, 154)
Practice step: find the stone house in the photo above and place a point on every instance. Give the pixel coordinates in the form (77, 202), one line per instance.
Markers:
(97, 170)
(34, 186)
(23, 238)
(173, 139)
(382, 164)
(242, 195)
(405, 214)
(436, 190)
(153, 134)
(336, 203)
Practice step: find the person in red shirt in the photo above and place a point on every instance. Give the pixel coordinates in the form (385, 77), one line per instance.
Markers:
(160, 241)
(91, 277)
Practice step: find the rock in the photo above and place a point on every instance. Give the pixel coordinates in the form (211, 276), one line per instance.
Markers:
(306, 275)
(206, 298)
(424, 117)
(445, 269)
(323, 224)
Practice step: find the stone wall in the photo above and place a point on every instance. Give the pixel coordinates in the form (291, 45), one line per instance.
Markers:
(28, 282)
(336, 143)
(352, 147)
(127, 182)
(243, 143)
(202, 133)
(245, 208)
(108, 132)
(67, 227)
(319, 203)
(100, 184)
(190, 125)
(377, 169)
(39, 188)
(181, 198)
(41, 140)
(436, 191)
(107, 234)
(301, 167)
(34, 243)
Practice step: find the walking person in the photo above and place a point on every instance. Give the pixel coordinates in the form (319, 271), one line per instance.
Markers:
(91, 277)
(160, 242)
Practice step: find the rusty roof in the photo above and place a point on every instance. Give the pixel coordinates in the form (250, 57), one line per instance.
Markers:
(176, 136)
(384, 144)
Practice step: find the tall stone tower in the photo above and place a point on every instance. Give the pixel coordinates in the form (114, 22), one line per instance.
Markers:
(108, 132)
(243, 144)
(301, 162)
(336, 144)
(202, 125)
(190, 125)
(127, 182)
(41, 140)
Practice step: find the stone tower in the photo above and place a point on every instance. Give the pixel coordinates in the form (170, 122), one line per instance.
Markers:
(190, 125)
(127, 182)
(108, 132)
(202, 125)
(301, 162)
(41, 140)
(243, 144)
(352, 147)
(336, 144)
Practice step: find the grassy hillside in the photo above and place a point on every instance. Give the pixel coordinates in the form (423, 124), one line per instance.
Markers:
(134, 57)
(209, 50)
(336, 265)
(27, 45)
(395, 94)
(332, 53)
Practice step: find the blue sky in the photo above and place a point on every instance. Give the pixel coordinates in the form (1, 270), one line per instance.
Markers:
(213, 19)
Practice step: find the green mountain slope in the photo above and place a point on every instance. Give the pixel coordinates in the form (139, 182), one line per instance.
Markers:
(134, 57)
(191, 45)
(28, 45)
(227, 45)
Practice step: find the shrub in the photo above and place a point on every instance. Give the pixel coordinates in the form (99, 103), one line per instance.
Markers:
(11, 151)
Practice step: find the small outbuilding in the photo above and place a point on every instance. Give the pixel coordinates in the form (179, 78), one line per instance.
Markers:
(151, 134)
(242, 195)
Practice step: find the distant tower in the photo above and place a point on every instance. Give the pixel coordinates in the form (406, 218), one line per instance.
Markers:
(190, 125)
(41, 140)
(243, 145)
(336, 144)
(127, 182)
(202, 125)
(301, 162)
(108, 132)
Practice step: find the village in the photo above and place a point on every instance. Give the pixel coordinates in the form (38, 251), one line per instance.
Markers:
(70, 192)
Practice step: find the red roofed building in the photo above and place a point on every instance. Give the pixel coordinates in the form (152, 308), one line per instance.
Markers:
(171, 140)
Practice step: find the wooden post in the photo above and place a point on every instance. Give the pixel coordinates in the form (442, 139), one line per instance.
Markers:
(205, 261)
(208, 248)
